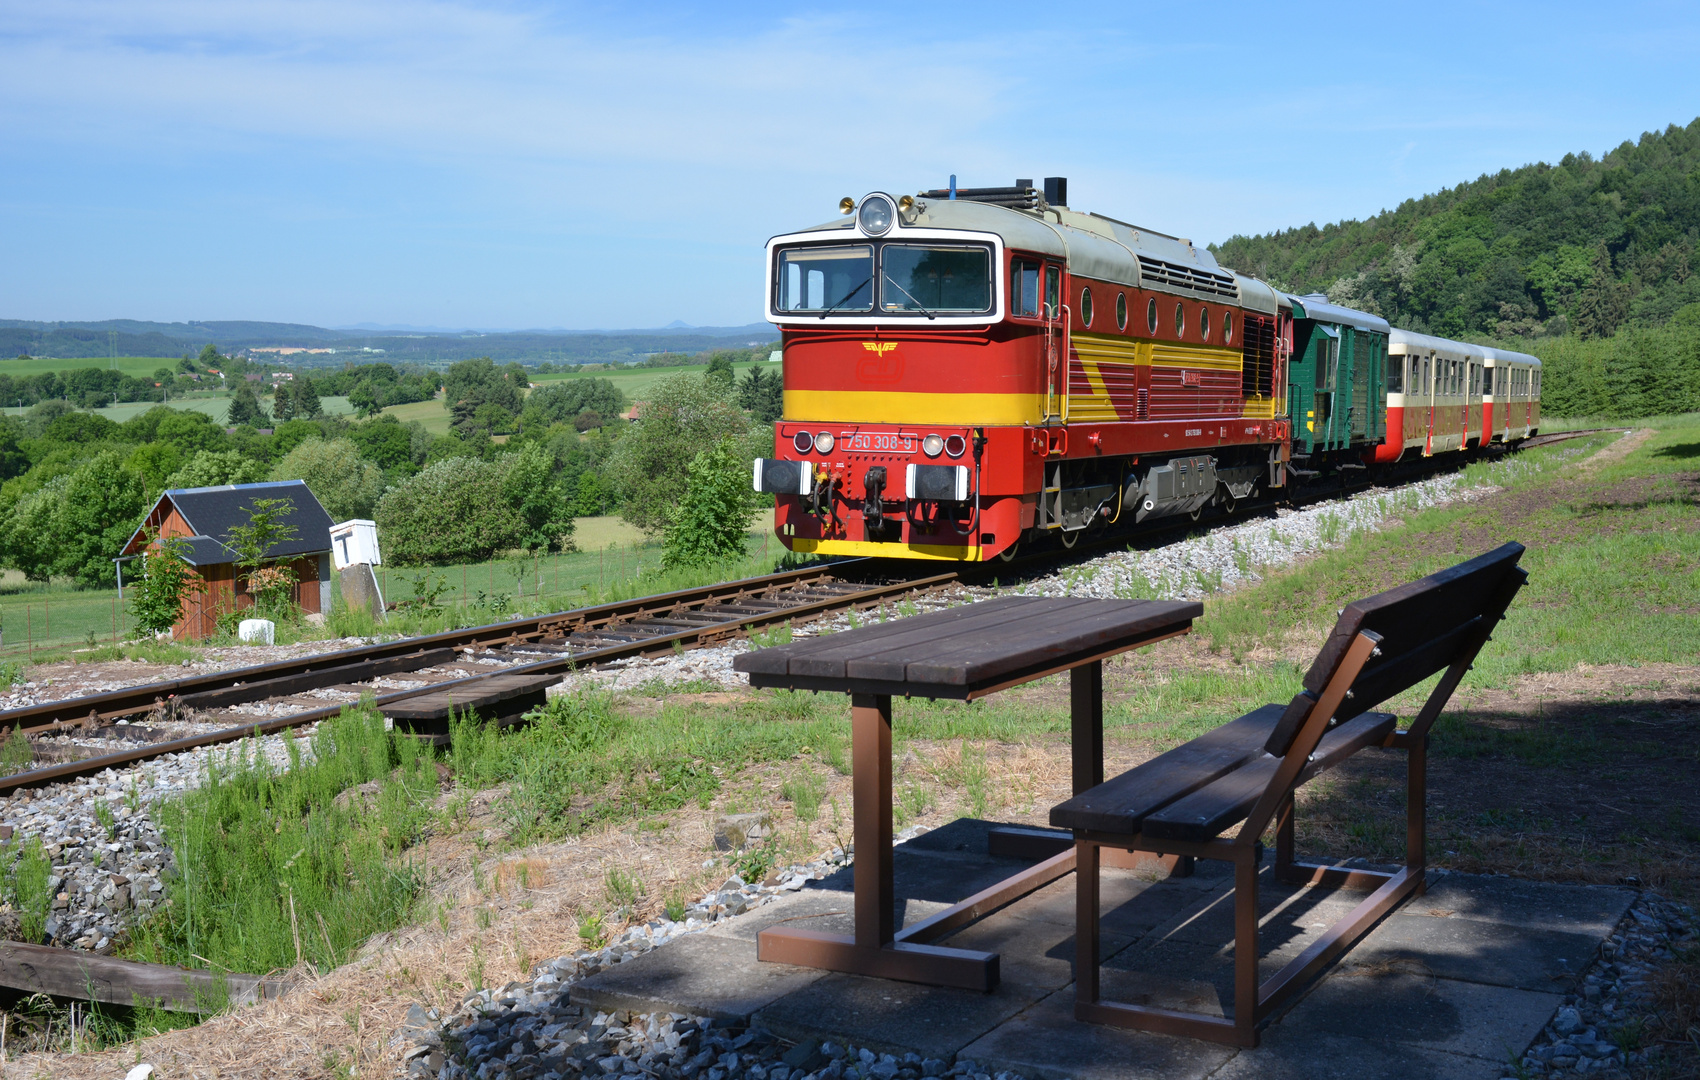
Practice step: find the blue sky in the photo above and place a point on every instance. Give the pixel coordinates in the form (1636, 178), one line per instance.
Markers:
(560, 165)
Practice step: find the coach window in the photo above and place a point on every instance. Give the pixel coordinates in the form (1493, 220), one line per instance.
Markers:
(1086, 307)
(1228, 328)
(1121, 311)
(1396, 384)
(1426, 387)
(1151, 315)
(1204, 322)
(1023, 287)
(1180, 320)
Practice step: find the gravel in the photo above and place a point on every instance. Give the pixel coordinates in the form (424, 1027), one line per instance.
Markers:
(1597, 1031)
(531, 1031)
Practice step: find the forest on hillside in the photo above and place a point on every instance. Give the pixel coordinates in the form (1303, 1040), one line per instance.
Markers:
(1589, 264)
(1585, 246)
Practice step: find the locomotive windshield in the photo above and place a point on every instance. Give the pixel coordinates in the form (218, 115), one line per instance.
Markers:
(921, 279)
(823, 279)
(913, 279)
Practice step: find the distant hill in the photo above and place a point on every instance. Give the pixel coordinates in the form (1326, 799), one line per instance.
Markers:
(128, 337)
(1585, 245)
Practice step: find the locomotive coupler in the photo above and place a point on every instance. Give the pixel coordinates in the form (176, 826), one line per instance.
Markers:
(873, 485)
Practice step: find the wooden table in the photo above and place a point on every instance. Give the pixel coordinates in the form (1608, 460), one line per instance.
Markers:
(960, 653)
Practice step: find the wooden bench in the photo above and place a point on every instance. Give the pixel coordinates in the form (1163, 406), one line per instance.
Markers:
(1245, 773)
(499, 699)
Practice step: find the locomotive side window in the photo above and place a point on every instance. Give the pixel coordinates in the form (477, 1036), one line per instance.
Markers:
(1204, 322)
(826, 279)
(1023, 287)
(923, 279)
(1180, 320)
(1151, 315)
(1053, 288)
(1086, 307)
(1228, 328)
(1121, 311)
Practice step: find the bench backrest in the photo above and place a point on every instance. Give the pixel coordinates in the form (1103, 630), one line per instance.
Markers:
(1427, 626)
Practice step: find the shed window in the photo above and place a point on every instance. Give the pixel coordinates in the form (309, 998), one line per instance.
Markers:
(1121, 311)
(1086, 307)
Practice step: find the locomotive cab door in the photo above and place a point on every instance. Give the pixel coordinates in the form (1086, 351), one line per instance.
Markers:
(1056, 347)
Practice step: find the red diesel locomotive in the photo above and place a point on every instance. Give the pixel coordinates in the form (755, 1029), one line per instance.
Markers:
(966, 369)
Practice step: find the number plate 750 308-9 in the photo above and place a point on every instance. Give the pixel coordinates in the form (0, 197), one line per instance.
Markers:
(865, 440)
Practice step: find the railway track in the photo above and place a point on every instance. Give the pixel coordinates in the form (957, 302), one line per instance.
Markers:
(540, 645)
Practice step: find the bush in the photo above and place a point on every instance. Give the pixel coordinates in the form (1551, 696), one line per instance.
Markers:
(346, 485)
(156, 597)
(455, 510)
(712, 521)
(684, 414)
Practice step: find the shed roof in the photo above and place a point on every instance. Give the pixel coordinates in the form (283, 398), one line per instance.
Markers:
(213, 511)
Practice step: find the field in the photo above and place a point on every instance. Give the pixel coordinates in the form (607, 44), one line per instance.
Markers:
(136, 366)
(43, 621)
(215, 405)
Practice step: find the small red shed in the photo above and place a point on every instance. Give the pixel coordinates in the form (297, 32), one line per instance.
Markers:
(205, 516)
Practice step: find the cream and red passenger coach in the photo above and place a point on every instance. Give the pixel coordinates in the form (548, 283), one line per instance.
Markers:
(966, 369)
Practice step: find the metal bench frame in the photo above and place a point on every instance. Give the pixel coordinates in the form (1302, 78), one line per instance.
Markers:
(1344, 684)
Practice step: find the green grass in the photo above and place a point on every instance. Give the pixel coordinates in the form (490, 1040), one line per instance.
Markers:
(275, 869)
(136, 366)
(637, 381)
(215, 404)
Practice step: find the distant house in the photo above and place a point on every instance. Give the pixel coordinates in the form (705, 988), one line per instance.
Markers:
(205, 516)
(635, 413)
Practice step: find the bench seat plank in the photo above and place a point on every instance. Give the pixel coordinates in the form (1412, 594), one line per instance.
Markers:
(1206, 812)
(1122, 804)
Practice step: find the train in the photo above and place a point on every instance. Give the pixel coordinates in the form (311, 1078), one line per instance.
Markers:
(970, 370)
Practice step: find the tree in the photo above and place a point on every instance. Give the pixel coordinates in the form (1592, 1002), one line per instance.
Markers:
(283, 402)
(386, 443)
(102, 503)
(455, 510)
(268, 583)
(189, 432)
(1604, 304)
(650, 463)
(209, 358)
(215, 468)
(32, 529)
(539, 498)
(712, 521)
(13, 460)
(307, 399)
(762, 394)
(365, 400)
(346, 485)
(479, 382)
(154, 463)
(720, 368)
(157, 595)
(562, 401)
(245, 408)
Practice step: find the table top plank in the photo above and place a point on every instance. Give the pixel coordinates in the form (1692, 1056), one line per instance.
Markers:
(1078, 630)
(997, 622)
(958, 651)
(901, 637)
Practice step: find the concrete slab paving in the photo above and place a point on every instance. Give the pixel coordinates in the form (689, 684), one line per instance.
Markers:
(1447, 988)
(700, 974)
(1534, 905)
(1494, 953)
(1493, 1023)
(892, 1017)
(1047, 1041)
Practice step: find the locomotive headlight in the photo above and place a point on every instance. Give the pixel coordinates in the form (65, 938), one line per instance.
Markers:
(803, 442)
(932, 445)
(824, 442)
(875, 216)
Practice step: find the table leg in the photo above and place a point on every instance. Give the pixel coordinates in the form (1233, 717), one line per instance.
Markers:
(870, 757)
(1086, 724)
(872, 950)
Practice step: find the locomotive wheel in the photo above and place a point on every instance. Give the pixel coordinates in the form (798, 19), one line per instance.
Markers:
(1229, 504)
(1008, 553)
(1069, 539)
(1196, 514)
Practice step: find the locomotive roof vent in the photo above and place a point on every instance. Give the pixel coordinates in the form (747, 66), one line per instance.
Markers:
(1021, 196)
